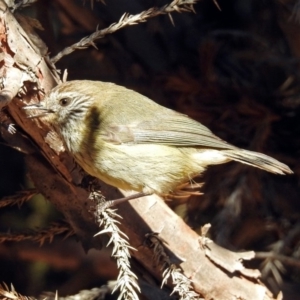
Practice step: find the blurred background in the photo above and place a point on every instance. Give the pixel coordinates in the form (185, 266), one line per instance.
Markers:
(234, 69)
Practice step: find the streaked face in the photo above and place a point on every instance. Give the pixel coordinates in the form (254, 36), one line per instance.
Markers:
(61, 106)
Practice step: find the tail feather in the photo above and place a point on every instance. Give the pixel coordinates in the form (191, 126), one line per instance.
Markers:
(258, 160)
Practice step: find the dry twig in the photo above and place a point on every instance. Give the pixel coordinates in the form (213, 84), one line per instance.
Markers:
(182, 285)
(290, 261)
(7, 293)
(127, 20)
(19, 198)
(38, 236)
(94, 293)
(127, 280)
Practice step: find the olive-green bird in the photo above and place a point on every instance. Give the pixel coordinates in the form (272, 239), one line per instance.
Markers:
(133, 143)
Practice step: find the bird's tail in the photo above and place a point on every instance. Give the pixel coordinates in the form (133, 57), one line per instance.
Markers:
(258, 160)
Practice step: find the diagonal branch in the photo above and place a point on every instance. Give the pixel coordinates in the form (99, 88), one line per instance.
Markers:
(19, 198)
(39, 236)
(127, 20)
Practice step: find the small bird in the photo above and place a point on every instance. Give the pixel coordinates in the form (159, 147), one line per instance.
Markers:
(133, 143)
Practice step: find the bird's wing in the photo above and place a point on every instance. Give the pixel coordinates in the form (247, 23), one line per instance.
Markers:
(174, 130)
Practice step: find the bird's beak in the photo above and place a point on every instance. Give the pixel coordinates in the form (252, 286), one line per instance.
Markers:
(43, 110)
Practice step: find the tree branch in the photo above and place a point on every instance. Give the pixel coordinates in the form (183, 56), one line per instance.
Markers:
(127, 20)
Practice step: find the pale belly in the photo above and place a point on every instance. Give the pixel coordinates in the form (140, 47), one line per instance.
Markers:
(148, 168)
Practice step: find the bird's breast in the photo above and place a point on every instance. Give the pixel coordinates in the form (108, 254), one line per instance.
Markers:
(139, 167)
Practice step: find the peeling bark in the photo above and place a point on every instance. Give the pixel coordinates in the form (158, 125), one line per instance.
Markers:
(52, 172)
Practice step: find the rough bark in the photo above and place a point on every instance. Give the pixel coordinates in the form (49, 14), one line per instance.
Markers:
(216, 273)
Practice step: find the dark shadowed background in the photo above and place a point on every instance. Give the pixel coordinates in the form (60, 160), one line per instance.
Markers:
(237, 72)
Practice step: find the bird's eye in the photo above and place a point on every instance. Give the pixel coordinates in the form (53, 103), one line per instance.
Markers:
(65, 101)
